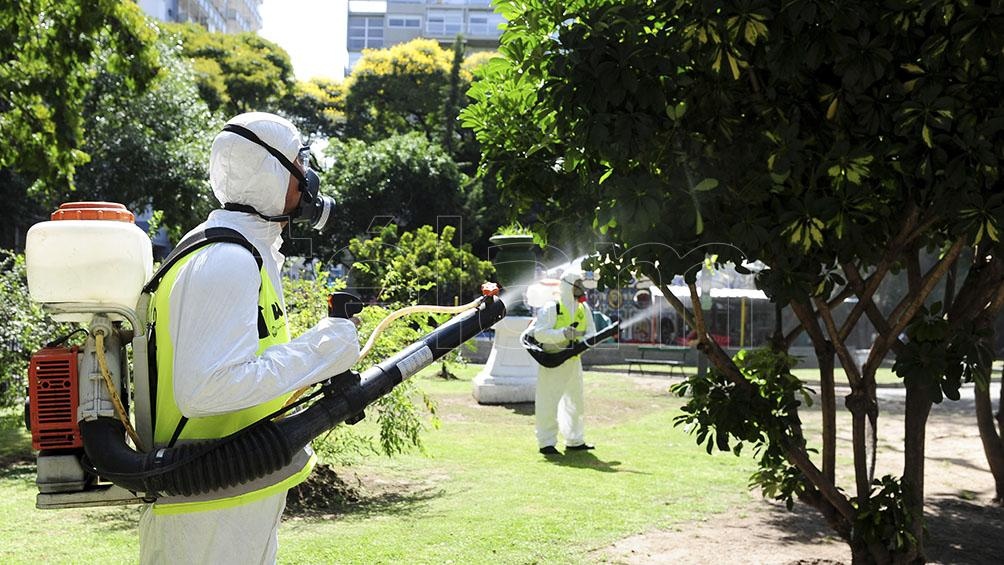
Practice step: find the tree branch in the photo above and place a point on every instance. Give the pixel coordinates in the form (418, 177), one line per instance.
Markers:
(800, 459)
(869, 288)
(908, 307)
(837, 300)
(827, 394)
(850, 367)
(871, 310)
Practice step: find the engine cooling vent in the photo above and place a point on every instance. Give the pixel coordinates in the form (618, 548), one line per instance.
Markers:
(52, 390)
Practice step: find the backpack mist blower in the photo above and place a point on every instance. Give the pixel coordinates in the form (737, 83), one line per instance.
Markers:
(552, 359)
(89, 266)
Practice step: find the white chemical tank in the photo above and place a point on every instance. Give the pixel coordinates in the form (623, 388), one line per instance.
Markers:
(90, 252)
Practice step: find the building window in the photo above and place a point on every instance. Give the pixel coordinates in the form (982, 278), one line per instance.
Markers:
(404, 22)
(365, 32)
(444, 22)
(484, 24)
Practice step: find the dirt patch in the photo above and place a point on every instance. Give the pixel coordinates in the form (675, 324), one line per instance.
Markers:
(963, 525)
(329, 492)
(324, 492)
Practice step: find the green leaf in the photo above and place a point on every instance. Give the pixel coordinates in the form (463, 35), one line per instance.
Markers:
(706, 185)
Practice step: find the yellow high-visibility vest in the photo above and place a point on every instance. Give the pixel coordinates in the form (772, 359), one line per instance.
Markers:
(273, 329)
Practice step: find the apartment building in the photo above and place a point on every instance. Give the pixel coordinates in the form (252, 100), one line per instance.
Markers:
(376, 24)
(226, 16)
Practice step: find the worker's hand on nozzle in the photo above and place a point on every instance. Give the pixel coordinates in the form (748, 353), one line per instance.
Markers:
(570, 333)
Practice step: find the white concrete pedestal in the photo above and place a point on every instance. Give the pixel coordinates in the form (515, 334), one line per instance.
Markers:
(510, 375)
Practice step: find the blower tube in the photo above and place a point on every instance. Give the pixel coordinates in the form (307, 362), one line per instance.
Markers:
(552, 360)
(268, 445)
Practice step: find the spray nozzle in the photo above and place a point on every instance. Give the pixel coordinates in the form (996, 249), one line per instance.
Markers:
(490, 289)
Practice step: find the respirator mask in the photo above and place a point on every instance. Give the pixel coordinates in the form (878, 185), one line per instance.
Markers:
(579, 291)
(313, 209)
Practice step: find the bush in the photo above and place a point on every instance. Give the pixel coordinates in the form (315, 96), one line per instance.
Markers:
(397, 414)
(24, 328)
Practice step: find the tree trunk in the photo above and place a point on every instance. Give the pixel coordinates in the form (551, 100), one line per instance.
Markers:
(918, 408)
(992, 436)
(828, 409)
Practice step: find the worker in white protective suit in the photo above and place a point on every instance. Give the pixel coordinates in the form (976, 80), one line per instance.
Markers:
(559, 404)
(223, 354)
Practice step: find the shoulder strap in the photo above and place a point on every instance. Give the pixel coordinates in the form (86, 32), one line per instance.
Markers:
(196, 241)
(193, 242)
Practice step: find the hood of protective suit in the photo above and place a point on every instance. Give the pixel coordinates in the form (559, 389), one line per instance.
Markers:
(568, 280)
(243, 172)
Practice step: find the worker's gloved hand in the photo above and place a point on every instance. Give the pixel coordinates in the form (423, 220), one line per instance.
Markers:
(570, 333)
(344, 305)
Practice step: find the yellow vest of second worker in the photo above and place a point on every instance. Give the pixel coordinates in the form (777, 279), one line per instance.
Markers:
(272, 320)
(565, 319)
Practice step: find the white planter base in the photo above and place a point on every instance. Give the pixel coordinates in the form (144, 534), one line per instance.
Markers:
(510, 375)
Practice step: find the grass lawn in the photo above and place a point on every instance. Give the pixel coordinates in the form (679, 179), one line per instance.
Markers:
(481, 492)
(883, 376)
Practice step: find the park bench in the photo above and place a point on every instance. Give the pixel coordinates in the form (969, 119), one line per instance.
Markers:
(674, 357)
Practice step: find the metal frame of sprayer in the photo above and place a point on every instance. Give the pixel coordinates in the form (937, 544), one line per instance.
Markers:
(106, 470)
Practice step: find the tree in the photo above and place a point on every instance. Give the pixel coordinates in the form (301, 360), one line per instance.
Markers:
(151, 149)
(833, 141)
(236, 72)
(317, 107)
(413, 86)
(417, 266)
(405, 178)
(48, 50)
(398, 90)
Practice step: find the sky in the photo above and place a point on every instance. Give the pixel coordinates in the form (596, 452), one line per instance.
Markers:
(311, 31)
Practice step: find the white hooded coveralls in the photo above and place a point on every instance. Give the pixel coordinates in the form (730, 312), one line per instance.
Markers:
(558, 401)
(213, 315)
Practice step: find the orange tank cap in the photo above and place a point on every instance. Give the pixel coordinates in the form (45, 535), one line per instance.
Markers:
(109, 211)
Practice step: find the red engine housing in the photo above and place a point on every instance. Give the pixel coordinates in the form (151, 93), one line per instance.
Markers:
(52, 391)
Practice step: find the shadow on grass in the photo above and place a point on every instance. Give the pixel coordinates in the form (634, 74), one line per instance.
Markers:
(588, 460)
(18, 467)
(520, 409)
(115, 518)
(382, 505)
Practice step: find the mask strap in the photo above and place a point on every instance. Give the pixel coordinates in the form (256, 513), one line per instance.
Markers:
(252, 137)
(251, 210)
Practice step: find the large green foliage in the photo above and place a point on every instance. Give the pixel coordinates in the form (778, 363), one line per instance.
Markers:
(417, 266)
(833, 141)
(791, 129)
(235, 73)
(149, 149)
(406, 178)
(47, 61)
(24, 329)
